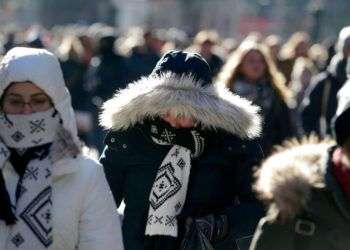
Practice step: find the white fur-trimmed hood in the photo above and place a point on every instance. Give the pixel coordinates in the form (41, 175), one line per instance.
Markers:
(286, 178)
(213, 106)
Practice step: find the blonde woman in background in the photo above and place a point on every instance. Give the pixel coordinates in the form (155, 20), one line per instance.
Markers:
(251, 73)
(296, 46)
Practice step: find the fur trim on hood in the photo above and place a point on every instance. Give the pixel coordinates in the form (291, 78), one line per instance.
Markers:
(213, 106)
(286, 178)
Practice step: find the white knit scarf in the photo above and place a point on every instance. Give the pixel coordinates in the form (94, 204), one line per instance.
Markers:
(168, 193)
(28, 130)
(33, 228)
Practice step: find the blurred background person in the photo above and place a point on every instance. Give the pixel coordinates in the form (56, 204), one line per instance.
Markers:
(296, 46)
(9, 42)
(306, 186)
(320, 102)
(87, 42)
(318, 54)
(303, 70)
(204, 43)
(251, 73)
(145, 51)
(74, 68)
(34, 37)
(302, 73)
(273, 44)
(108, 72)
(228, 46)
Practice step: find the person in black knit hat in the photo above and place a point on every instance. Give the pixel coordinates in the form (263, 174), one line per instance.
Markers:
(179, 154)
(307, 188)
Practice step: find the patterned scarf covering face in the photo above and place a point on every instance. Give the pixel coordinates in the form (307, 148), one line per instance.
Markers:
(29, 194)
(25, 131)
(168, 193)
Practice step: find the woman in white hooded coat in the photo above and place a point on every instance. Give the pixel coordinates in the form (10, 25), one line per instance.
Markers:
(51, 195)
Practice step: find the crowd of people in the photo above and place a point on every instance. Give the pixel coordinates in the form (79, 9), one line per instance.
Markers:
(96, 61)
(179, 126)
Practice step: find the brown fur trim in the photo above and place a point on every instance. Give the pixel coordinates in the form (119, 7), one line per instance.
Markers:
(286, 178)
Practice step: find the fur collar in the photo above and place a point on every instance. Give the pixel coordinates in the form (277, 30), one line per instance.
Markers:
(213, 106)
(286, 178)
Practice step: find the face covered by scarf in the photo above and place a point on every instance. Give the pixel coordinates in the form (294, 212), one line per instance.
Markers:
(26, 198)
(28, 130)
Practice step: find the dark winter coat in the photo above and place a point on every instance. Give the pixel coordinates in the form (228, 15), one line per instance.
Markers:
(215, 63)
(320, 103)
(74, 77)
(74, 73)
(308, 209)
(219, 177)
(286, 67)
(277, 123)
(141, 62)
(109, 72)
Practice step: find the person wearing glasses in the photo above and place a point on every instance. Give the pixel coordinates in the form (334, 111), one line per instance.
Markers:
(52, 196)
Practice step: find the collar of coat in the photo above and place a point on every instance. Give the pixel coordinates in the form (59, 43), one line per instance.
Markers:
(64, 166)
(286, 179)
(213, 106)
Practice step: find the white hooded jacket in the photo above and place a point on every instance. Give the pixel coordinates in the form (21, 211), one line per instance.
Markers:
(84, 213)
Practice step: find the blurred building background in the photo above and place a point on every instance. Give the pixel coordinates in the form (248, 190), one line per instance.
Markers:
(231, 18)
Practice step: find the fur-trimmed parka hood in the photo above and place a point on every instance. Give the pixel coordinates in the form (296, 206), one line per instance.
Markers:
(212, 106)
(286, 178)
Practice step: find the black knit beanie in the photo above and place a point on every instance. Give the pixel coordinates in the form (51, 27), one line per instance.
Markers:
(184, 63)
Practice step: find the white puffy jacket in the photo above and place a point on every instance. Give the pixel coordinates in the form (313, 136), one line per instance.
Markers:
(84, 212)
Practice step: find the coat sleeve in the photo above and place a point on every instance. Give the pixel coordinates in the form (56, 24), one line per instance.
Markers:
(245, 214)
(99, 226)
(285, 124)
(273, 236)
(113, 167)
(251, 157)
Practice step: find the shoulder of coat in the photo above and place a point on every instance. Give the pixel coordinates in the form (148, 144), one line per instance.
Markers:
(286, 178)
(80, 165)
(126, 140)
